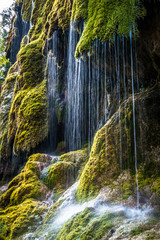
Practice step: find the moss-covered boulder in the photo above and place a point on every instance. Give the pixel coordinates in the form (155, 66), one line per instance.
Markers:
(79, 157)
(59, 176)
(17, 220)
(32, 120)
(28, 122)
(110, 157)
(27, 185)
(88, 225)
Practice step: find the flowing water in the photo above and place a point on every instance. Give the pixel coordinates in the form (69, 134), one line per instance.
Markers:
(69, 208)
(53, 74)
(86, 92)
(94, 83)
(134, 120)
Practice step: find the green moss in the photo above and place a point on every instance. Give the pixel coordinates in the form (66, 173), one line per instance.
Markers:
(3, 145)
(26, 184)
(72, 229)
(53, 211)
(18, 220)
(106, 18)
(28, 118)
(28, 122)
(127, 189)
(1, 237)
(98, 228)
(49, 219)
(137, 231)
(39, 17)
(98, 169)
(60, 176)
(24, 41)
(32, 119)
(80, 9)
(14, 114)
(36, 161)
(6, 98)
(87, 226)
(104, 166)
(30, 61)
(156, 186)
(79, 158)
(26, 10)
(37, 11)
(60, 15)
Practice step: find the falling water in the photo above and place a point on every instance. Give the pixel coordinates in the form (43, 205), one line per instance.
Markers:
(134, 120)
(52, 83)
(31, 14)
(72, 90)
(69, 207)
(77, 76)
(87, 96)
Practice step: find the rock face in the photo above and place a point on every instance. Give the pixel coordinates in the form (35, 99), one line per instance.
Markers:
(110, 158)
(49, 22)
(112, 92)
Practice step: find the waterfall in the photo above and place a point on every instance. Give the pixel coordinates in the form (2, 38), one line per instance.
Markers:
(53, 72)
(134, 119)
(94, 83)
(75, 120)
(68, 207)
(85, 92)
(25, 28)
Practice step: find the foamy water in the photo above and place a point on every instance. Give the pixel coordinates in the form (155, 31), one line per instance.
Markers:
(70, 207)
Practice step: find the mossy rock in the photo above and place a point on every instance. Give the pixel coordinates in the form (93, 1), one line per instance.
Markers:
(80, 10)
(48, 220)
(59, 176)
(79, 158)
(109, 157)
(24, 41)
(18, 220)
(106, 18)
(32, 119)
(7, 91)
(60, 15)
(87, 225)
(27, 184)
(28, 121)
(38, 18)
(61, 147)
(26, 10)
(30, 61)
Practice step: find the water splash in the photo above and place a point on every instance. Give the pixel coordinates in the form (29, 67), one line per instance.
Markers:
(69, 208)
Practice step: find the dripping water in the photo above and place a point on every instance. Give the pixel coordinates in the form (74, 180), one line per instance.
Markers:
(134, 120)
(53, 72)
